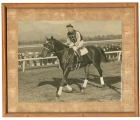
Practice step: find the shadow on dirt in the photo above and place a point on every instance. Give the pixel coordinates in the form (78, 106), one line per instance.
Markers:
(109, 81)
(55, 83)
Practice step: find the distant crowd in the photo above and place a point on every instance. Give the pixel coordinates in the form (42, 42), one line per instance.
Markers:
(111, 47)
(40, 62)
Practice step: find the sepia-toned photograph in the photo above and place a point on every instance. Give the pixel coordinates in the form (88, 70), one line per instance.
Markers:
(70, 61)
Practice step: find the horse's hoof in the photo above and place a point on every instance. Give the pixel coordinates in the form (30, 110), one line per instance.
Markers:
(73, 90)
(104, 85)
(82, 89)
(57, 96)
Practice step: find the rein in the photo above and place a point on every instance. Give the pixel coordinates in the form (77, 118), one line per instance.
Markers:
(55, 52)
(46, 48)
(58, 51)
(53, 49)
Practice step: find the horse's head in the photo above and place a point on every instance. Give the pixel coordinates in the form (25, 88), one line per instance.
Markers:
(48, 46)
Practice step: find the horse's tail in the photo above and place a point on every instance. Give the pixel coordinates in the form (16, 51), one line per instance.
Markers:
(103, 54)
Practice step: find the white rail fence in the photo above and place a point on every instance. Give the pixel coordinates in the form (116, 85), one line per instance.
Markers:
(57, 64)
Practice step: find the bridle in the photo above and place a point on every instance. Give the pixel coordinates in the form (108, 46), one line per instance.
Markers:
(47, 49)
(53, 49)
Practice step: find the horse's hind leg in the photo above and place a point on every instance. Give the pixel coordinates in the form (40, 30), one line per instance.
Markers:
(86, 69)
(100, 72)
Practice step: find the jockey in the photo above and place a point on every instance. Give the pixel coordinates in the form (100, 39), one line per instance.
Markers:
(74, 40)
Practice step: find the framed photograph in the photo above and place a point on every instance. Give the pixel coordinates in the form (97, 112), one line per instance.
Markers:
(76, 59)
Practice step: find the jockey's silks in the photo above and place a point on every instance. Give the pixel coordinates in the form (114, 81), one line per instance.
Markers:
(72, 36)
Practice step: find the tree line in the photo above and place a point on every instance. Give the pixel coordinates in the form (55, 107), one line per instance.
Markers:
(103, 37)
(95, 38)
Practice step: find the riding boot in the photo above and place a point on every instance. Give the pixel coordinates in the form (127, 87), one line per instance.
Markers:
(79, 56)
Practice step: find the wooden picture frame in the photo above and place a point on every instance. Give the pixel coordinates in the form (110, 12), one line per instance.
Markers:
(126, 31)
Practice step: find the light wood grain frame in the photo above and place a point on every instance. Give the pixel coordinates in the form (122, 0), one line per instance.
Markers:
(6, 6)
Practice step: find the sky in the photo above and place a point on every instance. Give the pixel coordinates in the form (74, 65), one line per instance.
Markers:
(37, 30)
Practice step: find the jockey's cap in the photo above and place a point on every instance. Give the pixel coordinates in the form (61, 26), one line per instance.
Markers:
(69, 25)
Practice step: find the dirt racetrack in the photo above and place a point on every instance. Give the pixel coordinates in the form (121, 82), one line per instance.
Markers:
(40, 85)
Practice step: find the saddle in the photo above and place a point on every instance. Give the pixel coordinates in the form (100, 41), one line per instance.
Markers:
(83, 51)
(80, 52)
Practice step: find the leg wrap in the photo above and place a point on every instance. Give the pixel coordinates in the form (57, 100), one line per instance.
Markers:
(85, 83)
(69, 88)
(60, 90)
(102, 80)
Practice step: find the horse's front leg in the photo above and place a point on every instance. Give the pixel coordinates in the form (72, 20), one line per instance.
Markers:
(64, 82)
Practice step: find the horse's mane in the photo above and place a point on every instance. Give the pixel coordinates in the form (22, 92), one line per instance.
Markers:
(60, 44)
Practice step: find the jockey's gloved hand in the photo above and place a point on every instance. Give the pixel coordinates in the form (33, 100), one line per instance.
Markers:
(70, 46)
(75, 48)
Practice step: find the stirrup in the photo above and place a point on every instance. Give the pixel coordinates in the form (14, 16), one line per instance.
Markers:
(80, 59)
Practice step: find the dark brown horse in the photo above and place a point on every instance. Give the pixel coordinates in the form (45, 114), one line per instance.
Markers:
(68, 60)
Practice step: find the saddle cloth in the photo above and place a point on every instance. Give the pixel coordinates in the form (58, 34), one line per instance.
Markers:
(83, 51)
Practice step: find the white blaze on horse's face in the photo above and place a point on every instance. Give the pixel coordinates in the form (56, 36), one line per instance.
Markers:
(47, 41)
(47, 45)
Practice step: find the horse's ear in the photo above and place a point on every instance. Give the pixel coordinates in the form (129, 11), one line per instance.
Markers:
(52, 37)
(46, 38)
